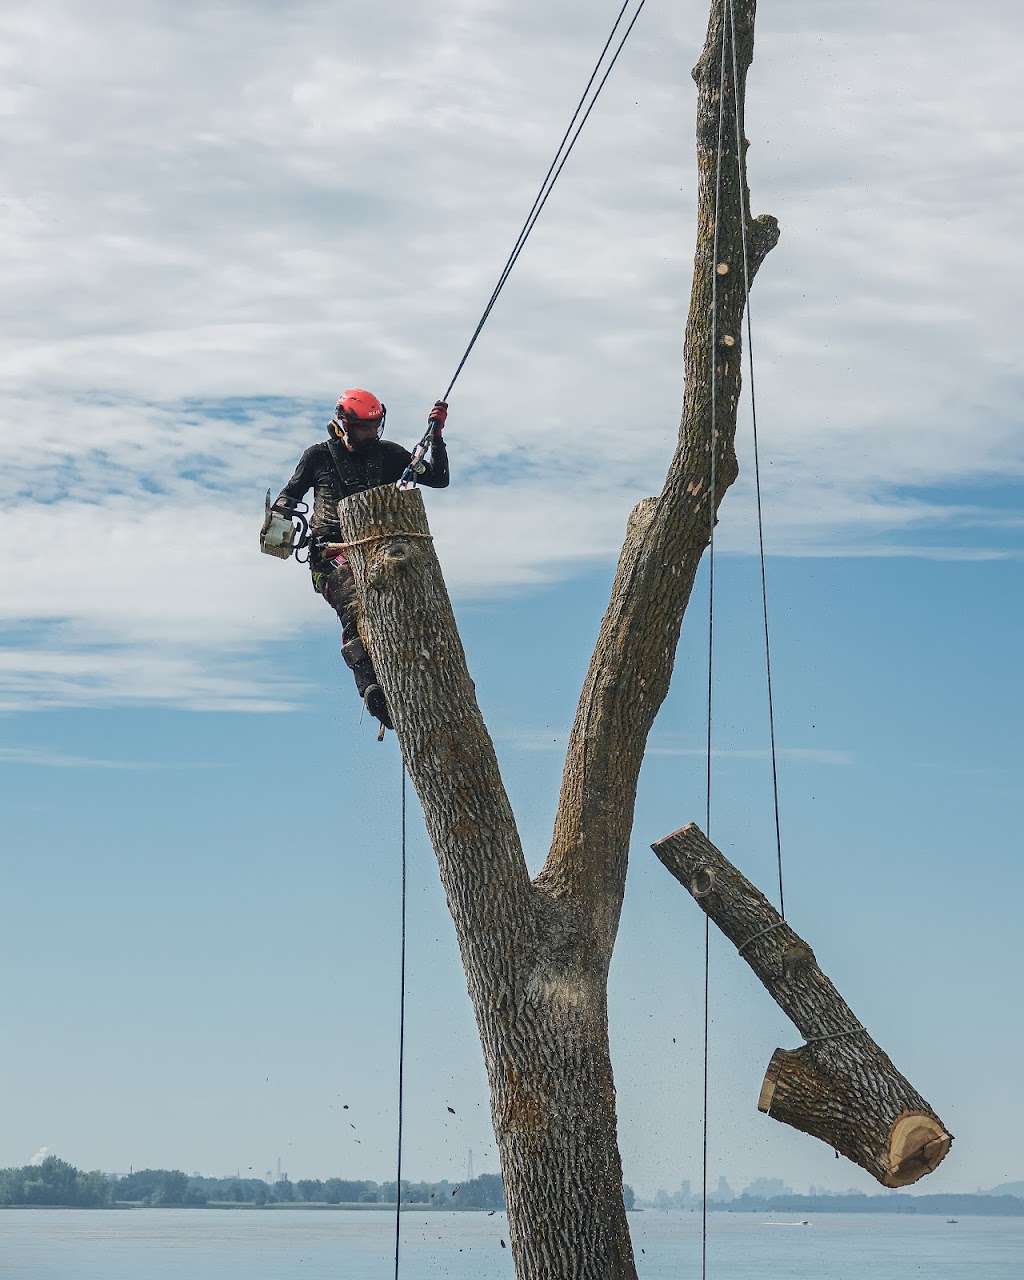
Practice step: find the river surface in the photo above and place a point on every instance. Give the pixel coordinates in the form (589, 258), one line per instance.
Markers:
(282, 1244)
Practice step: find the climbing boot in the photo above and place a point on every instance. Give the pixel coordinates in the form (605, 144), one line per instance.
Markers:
(375, 703)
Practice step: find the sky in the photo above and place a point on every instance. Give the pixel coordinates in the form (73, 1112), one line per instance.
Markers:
(214, 219)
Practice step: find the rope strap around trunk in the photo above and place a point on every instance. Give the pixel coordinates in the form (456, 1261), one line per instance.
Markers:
(336, 547)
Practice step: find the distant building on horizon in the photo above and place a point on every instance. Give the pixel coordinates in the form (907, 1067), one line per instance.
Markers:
(765, 1188)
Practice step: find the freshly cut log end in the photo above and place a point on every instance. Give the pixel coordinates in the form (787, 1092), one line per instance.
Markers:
(826, 1099)
(917, 1144)
(771, 1078)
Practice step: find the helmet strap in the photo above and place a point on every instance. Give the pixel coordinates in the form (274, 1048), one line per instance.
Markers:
(339, 427)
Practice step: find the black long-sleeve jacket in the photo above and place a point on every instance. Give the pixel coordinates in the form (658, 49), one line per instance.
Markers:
(335, 473)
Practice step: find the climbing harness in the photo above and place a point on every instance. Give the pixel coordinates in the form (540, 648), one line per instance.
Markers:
(355, 470)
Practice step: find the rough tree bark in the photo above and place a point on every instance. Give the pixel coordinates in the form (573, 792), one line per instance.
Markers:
(839, 1086)
(536, 953)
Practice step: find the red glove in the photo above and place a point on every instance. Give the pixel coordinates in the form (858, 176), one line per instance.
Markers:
(438, 415)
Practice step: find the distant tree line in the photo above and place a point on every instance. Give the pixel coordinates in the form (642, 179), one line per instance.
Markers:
(159, 1187)
(54, 1182)
(485, 1192)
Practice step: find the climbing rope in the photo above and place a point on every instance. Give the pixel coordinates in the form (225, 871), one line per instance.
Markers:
(757, 459)
(389, 536)
(712, 482)
(401, 1038)
(729, 36)
(562, 153)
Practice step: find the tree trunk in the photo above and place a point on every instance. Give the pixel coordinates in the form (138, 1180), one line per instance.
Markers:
(537, 954)
(840, 1086)
(537, 983)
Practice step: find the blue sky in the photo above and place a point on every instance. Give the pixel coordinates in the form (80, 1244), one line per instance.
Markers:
(211, 224)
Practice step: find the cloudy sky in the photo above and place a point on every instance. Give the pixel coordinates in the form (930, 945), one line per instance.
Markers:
(212, 219)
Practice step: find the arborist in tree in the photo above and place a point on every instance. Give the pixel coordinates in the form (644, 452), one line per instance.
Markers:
(354, 458)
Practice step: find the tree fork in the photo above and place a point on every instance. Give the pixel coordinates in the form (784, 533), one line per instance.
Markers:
(839, 1086)
(632, 663)
(536, 954)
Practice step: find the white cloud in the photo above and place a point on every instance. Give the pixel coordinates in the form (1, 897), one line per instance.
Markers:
(216, 218)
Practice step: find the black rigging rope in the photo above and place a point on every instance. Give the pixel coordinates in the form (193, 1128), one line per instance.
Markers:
(712, 482)
(551, 177)
(401, 1040)
(730, 13)
(757, 467)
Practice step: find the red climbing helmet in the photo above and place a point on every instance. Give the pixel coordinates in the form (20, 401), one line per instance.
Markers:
(357, 405)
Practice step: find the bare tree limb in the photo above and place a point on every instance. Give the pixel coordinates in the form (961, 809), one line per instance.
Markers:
(634, 656)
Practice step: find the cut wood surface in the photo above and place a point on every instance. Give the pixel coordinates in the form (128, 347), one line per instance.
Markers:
(839, 1086)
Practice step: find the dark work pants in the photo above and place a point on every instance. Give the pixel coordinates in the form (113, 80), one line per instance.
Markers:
(337, 586)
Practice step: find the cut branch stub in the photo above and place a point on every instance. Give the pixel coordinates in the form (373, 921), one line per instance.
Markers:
(839, 1086)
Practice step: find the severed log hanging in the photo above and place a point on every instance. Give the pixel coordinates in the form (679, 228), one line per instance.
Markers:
(839, 1086)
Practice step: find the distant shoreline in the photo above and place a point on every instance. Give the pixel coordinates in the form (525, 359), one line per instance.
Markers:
(967, 1205)
(302, 1206)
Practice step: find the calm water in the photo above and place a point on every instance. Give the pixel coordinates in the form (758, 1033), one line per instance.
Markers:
(197, 1244)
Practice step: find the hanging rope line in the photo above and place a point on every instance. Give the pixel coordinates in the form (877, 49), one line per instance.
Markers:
(551, 177)
(757, 463)
(704, 1129)
(712, 483)
(729, 15)
(401, 1040)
